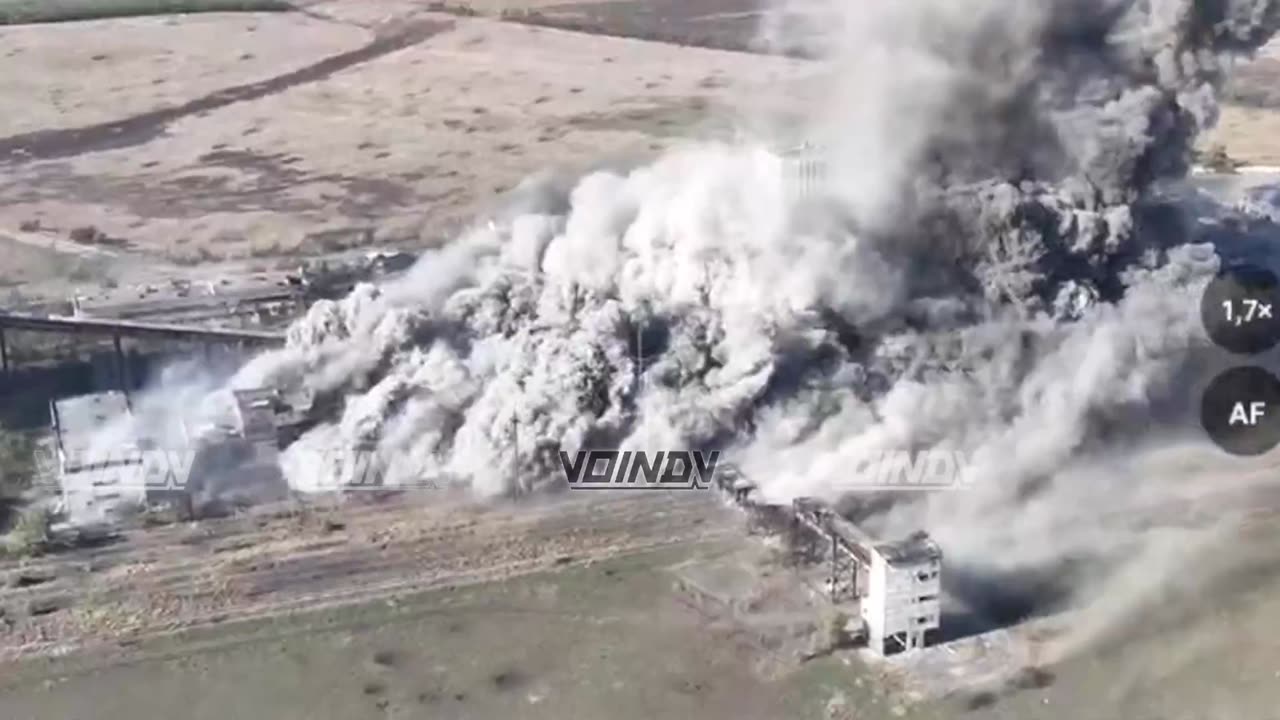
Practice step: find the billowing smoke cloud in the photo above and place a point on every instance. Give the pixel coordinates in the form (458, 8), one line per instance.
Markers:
(990, 268)
(167, 414)
(987, 188)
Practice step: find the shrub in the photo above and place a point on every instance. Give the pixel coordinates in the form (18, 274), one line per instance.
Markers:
(30, 535)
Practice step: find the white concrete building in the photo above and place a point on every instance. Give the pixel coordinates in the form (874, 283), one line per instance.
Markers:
(901, 604)
(110, 463)
(98, 483)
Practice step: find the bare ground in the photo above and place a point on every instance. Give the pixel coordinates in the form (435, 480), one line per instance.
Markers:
(1249, 127)
(606, 640)
(561, 609)
(390, 129)
(567, 610)
(180, 577)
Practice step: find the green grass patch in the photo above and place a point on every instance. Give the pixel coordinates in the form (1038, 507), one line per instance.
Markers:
(29, 536)
(14, 12)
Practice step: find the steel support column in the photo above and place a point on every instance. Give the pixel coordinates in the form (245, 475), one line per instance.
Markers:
(122, 368)
(835, 570)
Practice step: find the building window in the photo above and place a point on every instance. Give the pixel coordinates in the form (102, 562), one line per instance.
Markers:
(926, 598)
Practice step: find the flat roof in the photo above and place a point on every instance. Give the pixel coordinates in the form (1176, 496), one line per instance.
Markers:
(84, 413)
(78, 419)
(912, 550)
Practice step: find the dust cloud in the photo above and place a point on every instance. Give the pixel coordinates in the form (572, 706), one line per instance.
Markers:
(992, 265)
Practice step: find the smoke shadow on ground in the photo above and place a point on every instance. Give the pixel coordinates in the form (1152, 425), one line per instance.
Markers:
(980, 600)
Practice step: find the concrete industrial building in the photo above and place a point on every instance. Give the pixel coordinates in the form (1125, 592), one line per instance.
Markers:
(902, 606)
(229, 458)
(895, 586)
(98, 485)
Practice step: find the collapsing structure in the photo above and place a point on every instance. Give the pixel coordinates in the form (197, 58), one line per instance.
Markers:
(896, 585)
(97, 487)
(236, 455)
(110, 465)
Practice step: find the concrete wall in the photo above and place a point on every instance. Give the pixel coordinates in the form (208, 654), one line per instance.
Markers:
(904, 600)
(101, 496)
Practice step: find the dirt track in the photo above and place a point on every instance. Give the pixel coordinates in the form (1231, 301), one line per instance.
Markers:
(142, 128)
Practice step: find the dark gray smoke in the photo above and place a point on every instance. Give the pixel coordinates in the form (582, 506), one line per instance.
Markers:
(990, 268)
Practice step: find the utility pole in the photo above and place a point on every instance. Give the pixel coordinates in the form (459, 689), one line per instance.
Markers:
(122, 370)
(639, 360)
(515, 455)
(641, 321)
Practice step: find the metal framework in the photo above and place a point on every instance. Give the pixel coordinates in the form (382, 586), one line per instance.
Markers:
(814, 533)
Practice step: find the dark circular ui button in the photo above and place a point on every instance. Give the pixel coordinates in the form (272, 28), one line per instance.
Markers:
(1241, 410)
(1240, 309)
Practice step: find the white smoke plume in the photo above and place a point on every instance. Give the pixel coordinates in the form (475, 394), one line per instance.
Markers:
(990, 268)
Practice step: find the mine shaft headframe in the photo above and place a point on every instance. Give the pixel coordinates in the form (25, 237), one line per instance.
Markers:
(809, 525)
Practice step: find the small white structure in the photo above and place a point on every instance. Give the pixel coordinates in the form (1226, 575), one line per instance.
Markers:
(901, 605)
